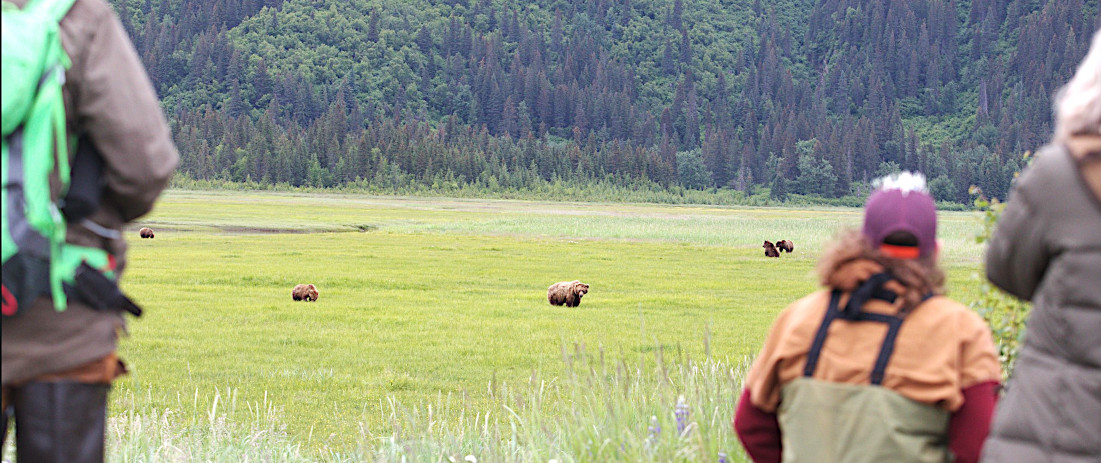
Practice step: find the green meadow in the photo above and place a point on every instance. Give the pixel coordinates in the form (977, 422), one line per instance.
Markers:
(433, 340)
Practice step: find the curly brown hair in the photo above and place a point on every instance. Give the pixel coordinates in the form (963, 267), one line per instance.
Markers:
(919, 277)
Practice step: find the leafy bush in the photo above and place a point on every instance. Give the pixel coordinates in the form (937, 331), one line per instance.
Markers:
(1004, 313)
(607, 190)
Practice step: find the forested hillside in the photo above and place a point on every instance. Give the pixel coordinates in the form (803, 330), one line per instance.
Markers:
(801, 96)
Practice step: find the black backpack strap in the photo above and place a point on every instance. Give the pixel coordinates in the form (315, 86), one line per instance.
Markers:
(870, 289)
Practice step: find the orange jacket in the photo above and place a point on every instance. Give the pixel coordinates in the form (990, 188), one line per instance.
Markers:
(941, 349)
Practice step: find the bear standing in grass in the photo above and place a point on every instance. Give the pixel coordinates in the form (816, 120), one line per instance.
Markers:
(770, 249)
(785, 245)
(567, 292)
(307, 293)
(145, 232)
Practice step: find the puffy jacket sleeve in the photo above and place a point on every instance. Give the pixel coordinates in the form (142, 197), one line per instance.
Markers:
(118, 108)
(1017, 256)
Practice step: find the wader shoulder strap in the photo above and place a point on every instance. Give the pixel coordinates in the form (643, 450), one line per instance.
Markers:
(871, 289)
(820, 336)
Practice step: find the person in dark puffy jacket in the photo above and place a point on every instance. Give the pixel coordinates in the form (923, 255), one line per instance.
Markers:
(1047, 249)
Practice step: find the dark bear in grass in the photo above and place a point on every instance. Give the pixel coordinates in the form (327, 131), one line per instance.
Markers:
(567, 292)
(785, 245)
(145, 232)
(770, 249)
(306, 293)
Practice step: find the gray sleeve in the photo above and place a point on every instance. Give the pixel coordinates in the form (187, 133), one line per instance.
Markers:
(119, 110)
(1017, 255)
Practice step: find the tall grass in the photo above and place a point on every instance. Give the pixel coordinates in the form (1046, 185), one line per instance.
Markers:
(190, 432)
(659, 409)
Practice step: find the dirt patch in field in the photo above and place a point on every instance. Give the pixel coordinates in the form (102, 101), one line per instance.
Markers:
(247, 230)
(240, 230)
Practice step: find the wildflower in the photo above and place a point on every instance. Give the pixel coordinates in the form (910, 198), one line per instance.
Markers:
(681, 413)
(651, 442)
(723, 458)
(655, 427)
(471, 459)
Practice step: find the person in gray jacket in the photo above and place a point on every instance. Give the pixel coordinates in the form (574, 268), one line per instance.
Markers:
(1047, 249)
(58, 366)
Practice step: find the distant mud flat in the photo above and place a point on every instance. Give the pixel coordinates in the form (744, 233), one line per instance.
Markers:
(247, 230)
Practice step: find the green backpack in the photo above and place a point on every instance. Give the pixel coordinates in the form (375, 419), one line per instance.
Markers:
(36, 260)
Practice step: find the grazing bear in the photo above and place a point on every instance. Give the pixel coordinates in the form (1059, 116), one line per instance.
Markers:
(770, 249)
(567, 292)
(145, 232)
(785, 245)
(307, 293)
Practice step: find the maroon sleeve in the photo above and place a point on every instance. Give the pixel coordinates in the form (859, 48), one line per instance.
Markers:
(969, 425)
(758, 430)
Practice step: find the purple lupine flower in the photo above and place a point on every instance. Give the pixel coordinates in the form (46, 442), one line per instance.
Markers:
(681, 413)
(722, 458)
(655, 427)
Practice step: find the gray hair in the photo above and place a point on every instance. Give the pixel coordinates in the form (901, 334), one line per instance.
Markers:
(1078, 103)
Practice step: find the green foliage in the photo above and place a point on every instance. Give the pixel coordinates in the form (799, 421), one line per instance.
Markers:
(941, 188)
(778, 189)
(398, 183)
(467, 92)
(691, 171)
(887, 168)
(816, 177)
(1005, 314)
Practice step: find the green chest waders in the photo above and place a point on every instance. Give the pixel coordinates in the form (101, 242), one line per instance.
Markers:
(823, 421)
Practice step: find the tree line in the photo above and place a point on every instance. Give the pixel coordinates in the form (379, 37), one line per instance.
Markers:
(796, 96)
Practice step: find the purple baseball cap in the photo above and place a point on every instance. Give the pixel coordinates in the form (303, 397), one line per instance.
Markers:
(901, 204)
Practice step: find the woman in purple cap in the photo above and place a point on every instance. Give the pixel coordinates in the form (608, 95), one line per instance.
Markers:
(879, 366)
(1047, 249)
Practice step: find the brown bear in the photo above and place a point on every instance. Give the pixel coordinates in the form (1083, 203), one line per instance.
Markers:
(145, 232)
(770, 249)
(567, 292)
(785, 245)
(306, 293)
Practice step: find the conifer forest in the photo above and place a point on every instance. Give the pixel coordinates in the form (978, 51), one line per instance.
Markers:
(811, 97)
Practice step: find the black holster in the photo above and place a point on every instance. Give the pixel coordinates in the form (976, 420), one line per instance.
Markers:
(93, 288)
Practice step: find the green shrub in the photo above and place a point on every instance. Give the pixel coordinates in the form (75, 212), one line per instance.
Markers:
(1004, 313)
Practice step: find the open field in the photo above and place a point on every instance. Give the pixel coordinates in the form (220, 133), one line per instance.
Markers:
(425, 298)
